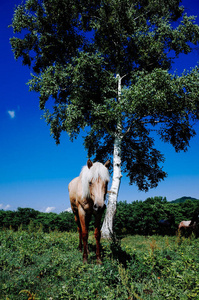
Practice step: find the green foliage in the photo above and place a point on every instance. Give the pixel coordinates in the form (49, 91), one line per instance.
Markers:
(79, 50)
(30, 219)
(49, 266)
(139, 217)
(143, 217)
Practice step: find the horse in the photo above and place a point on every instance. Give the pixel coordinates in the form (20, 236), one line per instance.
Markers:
(87, 194)
(186, 224)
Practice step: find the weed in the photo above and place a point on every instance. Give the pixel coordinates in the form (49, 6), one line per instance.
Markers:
(31, 296)
(48, 266)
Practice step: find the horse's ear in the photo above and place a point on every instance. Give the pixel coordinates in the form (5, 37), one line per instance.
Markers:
(89, 163)
(107, 164)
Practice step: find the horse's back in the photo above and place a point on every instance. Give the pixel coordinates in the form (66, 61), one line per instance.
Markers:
(73, 190)
(184, 224)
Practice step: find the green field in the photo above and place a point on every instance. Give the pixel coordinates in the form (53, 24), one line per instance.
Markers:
(37, 265)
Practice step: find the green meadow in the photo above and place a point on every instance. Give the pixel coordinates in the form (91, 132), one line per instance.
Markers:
(37, 265)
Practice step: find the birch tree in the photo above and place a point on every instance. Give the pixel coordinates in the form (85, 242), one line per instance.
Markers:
(103, 69)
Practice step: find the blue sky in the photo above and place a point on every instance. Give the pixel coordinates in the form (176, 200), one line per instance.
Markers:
(35, 172)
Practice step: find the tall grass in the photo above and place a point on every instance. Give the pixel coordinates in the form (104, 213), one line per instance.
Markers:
(37, 265)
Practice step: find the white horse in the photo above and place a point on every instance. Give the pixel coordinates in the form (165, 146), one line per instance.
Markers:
(186, 224)
(87, 196)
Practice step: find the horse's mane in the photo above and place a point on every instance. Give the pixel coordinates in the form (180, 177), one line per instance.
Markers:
(87, 175)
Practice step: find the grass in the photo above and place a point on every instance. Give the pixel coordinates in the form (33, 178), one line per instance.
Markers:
(37, 265)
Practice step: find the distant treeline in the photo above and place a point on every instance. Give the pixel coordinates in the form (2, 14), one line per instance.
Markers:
(153, 216)
(139, 217)
(30, 219)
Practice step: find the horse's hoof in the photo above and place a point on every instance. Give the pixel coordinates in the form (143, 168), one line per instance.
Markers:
(99, 262)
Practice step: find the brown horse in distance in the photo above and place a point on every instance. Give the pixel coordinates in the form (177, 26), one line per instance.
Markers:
(87, 196)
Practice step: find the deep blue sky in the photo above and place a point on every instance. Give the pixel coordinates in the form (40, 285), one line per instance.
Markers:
(35, 172)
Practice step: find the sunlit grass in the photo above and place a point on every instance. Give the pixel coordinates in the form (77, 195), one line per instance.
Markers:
(37, 265)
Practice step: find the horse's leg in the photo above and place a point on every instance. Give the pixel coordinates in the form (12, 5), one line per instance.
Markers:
(87, 220)
(98, 236)
(84, 227)
(80, 232)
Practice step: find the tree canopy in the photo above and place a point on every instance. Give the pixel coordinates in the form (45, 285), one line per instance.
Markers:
(80, 50)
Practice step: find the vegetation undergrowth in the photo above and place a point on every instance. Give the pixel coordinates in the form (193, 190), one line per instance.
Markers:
(38, 266)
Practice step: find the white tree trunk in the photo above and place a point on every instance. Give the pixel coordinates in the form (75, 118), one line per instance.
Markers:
(107, 227)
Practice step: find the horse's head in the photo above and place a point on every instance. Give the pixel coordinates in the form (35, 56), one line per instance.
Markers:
(98, 182)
